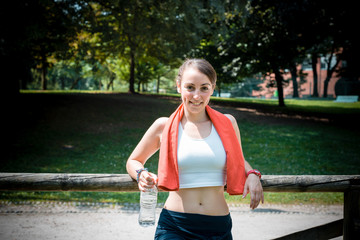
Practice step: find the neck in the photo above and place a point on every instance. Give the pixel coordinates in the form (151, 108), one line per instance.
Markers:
(196, 117)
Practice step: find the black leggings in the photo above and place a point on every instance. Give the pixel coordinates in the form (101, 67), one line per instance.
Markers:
(176, 225)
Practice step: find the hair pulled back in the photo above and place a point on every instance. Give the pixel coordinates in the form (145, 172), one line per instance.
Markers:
(200, 64)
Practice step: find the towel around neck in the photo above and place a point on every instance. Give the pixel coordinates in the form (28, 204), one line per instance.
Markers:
(168, 171)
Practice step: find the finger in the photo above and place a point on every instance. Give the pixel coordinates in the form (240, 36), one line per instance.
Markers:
(154, 177)
(252, 199)
(148, 177)
(148, 180)
(143, 184)
(260, 198)
(245, 192)
(145, 177)
(146, 185)
(255, 200)
(141, 188)
(256, 203)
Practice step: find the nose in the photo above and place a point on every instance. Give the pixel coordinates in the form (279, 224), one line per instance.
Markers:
(196, 94)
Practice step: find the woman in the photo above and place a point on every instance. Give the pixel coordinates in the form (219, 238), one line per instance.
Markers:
(200, 153)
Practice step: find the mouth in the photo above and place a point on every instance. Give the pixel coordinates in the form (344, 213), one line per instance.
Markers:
(196, 103)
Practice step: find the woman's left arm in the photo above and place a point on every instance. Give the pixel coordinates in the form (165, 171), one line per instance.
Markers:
(252, 183)
(254, 187)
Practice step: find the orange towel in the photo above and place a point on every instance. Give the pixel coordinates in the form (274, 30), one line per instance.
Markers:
(168, 172)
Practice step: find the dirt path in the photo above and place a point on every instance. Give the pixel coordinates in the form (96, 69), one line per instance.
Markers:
(24, 221)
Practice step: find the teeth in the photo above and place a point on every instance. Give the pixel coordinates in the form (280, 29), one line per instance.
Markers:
(197, 104)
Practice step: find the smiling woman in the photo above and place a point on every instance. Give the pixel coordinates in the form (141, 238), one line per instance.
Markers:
(195, 89)
(200, 153)
(196, 83)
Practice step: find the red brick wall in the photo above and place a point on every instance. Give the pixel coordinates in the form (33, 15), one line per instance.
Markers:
(305, 89)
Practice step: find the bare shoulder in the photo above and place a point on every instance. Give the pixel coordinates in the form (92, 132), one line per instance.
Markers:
(234, 124)
(159, 124)
(232, 119)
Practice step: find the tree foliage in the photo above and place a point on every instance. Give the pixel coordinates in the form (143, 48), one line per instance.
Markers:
(136, 30)
(100, 44)
(35, 30)
(270, 36)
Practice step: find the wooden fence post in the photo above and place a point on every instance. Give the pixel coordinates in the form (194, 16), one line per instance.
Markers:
(351, 225)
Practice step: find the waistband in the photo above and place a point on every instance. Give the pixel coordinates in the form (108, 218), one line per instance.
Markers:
(193, 223)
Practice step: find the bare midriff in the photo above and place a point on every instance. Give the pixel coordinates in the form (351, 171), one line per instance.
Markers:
(203, 200)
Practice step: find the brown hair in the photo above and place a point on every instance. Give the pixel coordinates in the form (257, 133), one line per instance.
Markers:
(200, 64)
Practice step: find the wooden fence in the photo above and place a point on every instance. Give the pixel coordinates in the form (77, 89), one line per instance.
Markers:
(349, 227)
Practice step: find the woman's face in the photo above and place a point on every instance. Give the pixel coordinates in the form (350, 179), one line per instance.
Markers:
(196, 89)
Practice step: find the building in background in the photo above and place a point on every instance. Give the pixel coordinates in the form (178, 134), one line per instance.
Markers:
(267, 88)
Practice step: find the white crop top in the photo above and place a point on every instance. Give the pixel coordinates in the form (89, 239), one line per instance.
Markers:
(202, 162)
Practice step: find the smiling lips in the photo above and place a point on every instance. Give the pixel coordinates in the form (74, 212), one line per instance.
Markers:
(196, 104)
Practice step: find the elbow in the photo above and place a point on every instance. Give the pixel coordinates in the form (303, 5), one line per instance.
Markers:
(128, 166)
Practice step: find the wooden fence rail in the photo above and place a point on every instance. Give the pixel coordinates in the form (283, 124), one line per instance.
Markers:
(349, 227)
(123, 182)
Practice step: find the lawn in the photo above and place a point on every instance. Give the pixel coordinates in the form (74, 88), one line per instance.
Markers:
(95, 133)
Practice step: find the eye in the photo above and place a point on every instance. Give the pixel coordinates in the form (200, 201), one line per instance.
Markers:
(204, 89)
(189, 87)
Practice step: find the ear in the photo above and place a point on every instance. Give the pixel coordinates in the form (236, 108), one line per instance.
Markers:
(213, 88)
(178, 85)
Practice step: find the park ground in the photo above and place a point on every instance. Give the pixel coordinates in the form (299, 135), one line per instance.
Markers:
(57, 220)
(94, 133)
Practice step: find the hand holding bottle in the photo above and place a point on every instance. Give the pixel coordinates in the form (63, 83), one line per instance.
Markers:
(148, 198)
(147, 180)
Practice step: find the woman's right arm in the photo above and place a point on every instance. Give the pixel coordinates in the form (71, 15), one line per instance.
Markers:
(147, 146)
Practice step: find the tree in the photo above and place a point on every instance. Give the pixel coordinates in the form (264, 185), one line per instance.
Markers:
(330, 70)
(212, 53)
(328, 33)
(259, 42)
(36, 31)
(275, 35)
(164, 30)
(344, 42)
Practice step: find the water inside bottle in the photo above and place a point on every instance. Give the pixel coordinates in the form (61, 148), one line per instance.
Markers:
(148, 202)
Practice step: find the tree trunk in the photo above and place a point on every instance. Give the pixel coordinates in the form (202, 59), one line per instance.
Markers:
(314, 61)
(218, 84)
(158, 84)
(75, 83)
(111, 83)
(144, 87)
(293, 71)
(62, 83)
(132, 72)
(326, 84)
(279, 83)
(43, 72)
(329, 73)
(138, 87)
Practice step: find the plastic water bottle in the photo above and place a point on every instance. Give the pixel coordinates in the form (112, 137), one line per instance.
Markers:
(148, 201)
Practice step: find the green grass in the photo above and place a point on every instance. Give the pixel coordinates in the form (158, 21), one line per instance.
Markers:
(318, 149)
(318, 106)
(95, 133)
(292, 198)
